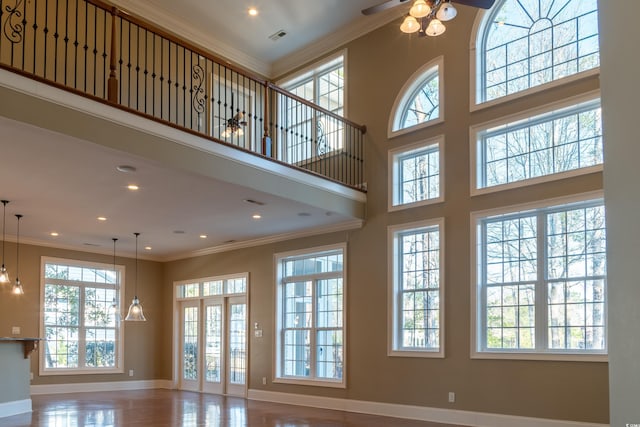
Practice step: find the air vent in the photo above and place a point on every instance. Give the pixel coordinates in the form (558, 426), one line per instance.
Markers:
(254, 202)
(278, 35)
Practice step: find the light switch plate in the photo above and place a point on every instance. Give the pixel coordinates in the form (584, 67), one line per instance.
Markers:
(258, 333)
(15, 330)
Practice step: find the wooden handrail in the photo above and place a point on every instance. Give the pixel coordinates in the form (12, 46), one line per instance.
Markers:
(281, 91)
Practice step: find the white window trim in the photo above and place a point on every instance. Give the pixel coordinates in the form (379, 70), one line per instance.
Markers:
(202, 280)
(475, 60)
(393, 168)
(175, 321)
(476, 352)
(474, 147)
(277, 379)
(119, 368)
(319, 67)
(392, 326)
(415, 81)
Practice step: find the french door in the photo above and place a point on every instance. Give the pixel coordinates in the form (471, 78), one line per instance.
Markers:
(213, 345)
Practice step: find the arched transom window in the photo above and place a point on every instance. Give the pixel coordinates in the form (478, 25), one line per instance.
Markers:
(419, 101)
(527, 43)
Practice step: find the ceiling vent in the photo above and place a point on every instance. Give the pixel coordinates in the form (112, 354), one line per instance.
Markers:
(278, 35)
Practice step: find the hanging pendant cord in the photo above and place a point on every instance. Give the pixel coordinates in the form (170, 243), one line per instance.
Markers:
(18, 249)
(4, 216)
(136, 287)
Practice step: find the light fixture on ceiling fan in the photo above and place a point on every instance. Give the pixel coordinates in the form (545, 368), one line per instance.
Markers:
(426, 17)
(235, 124)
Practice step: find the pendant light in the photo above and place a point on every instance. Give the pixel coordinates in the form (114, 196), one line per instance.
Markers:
(135, 309)
(4, 275)
(17, 286)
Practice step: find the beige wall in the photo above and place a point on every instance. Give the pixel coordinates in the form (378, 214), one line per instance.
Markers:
(378, 66)
(141, 339)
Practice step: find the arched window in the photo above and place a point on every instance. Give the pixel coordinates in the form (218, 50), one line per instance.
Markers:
(419, 102)
(527, 43)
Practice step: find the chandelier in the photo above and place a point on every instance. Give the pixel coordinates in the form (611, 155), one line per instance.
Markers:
(427, 17)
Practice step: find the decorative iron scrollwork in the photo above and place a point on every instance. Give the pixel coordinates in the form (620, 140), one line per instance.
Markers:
(321, 138)
(12, 29)
(198, 100)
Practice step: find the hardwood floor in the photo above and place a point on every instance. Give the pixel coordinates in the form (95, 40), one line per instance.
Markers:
(160, 408)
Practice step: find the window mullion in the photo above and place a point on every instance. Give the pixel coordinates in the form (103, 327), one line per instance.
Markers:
(541, 307)
(481, 295)
(81, 329)
(313, 330)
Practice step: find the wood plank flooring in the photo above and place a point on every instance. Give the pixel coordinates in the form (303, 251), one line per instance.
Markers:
(160, 408)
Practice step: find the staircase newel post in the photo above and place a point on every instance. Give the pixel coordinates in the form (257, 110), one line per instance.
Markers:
(113, 81)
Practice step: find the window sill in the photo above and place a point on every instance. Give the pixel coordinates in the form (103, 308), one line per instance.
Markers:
(313, 383)
(427, 354)
(557, 357)
(61, 371)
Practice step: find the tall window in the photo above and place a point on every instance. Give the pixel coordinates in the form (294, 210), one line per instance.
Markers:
(546, 145)
(81, 317)
(419, 102)
(542, 280)
(310, 134)
(416, 174)
(528, 43)
(417, 288)
(311, 317)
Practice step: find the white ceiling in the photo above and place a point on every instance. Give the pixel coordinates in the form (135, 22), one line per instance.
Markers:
(313, 27)
(62, 184)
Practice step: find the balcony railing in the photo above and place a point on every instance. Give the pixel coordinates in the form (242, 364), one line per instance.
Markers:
(95, 50)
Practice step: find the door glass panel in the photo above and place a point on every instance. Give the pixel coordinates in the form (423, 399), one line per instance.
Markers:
(213, 337)
(190, 344)
(237, 344)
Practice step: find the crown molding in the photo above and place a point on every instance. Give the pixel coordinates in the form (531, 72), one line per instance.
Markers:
(327, 44)
(349, 225)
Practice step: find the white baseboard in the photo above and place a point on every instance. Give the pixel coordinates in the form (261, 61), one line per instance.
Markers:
(101, 386)
(8, 409)
(440, 415)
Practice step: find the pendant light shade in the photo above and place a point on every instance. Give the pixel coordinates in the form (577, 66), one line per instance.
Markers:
(446, 12)
(135, 313)
(17, 286)
(4, 275)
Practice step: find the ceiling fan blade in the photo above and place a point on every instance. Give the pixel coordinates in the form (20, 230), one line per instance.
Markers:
(382, 6)
(481, 4)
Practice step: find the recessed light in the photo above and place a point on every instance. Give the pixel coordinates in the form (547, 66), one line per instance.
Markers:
(54, 234)
(148, 248)
(256, 216)
(203, 236)
(133, 187)
(253, 11)
(102, 218)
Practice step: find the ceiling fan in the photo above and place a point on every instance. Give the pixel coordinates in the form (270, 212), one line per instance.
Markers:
(234, 125)
(481, 4)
